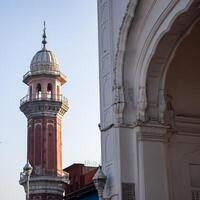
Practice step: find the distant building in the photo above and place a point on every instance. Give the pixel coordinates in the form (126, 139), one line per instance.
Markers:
(81, 185)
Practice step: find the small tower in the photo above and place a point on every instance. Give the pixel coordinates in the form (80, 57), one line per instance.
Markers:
(44, 107)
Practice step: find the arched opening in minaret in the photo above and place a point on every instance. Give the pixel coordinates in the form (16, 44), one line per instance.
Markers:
(58, 92)
(38, 91)
(49, 91)
(30, 92)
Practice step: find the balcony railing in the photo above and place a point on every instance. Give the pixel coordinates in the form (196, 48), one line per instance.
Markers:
(44, 71)
(42, 97)
(45, 174)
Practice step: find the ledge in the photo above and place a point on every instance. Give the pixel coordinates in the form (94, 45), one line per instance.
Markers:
(53, 73)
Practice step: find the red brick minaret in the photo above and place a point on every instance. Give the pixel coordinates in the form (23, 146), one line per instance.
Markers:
(44, 107)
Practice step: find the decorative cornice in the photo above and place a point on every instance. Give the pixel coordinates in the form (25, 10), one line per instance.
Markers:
(44, 73)
(133, 125)
(152, 132)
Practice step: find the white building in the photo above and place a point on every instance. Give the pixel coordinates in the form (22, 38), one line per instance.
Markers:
(149, 54)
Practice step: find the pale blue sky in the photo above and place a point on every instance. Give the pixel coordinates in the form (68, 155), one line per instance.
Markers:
(72, 36)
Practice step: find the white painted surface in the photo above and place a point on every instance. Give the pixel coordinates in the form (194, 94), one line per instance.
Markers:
(133, 59)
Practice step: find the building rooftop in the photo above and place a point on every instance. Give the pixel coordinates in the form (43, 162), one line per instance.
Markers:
(80, 177)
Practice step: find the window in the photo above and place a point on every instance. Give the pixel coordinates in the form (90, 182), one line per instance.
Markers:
(38, 91)
(49, 91)
(30, 92)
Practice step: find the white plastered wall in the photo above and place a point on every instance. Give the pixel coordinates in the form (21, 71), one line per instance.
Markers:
(128, 39)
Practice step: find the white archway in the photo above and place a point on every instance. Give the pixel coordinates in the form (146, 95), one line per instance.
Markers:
(132, 80)
(167, 76)
(144, 72)
(158, 65)
(145, 67)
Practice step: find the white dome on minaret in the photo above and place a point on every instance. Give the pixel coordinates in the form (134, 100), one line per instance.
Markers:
(44, 60)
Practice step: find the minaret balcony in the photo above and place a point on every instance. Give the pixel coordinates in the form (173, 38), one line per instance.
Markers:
(44, 97)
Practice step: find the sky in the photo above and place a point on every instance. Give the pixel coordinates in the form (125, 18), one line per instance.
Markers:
(71, 27)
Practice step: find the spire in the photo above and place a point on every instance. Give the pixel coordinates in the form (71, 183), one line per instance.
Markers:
(44, 37)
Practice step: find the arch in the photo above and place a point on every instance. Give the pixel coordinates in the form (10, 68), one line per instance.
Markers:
(49, 91)
(181, 75)
(122, 39)
(118, 88)
(132, 74)
(38, 91)
(30, 92)
(39, 88)
(160, 58)
(155, 79)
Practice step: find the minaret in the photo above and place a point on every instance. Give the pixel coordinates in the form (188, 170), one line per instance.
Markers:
(44, 107)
